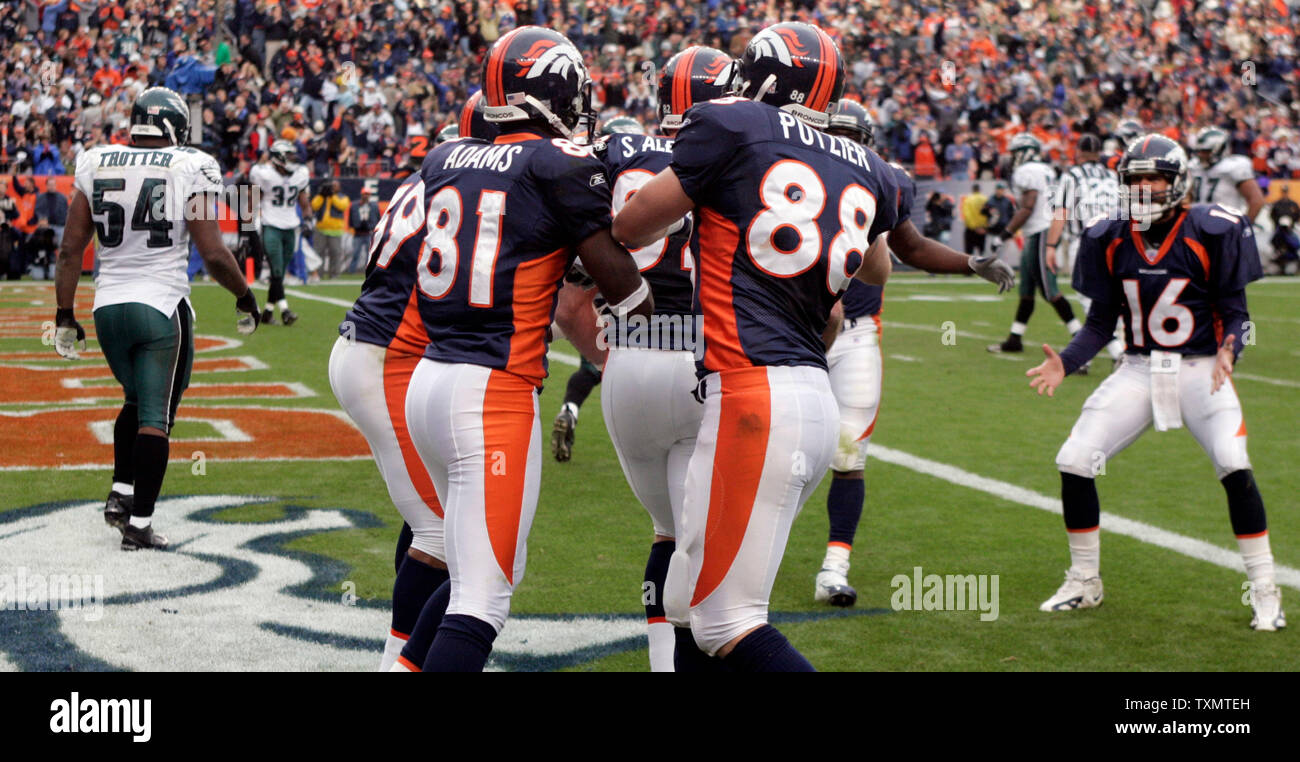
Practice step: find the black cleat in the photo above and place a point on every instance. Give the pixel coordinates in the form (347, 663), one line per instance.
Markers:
(289, 317)
(135, 538)
(268, 317)
(117, 510)
(1010, 345)
(562, 435)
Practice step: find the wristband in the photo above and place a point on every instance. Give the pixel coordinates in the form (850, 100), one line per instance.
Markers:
(632, 301)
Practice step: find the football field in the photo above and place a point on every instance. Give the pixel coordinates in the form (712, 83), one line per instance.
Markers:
(283, 533)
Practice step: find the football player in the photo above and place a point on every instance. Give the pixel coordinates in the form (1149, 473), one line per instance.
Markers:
(381, 340)
(1177, 274)
(282, 185)
(787, 216)
(1126, 131)
(652, 367)
(1087, 190)
(144, 202)
(1033, 180)
(1223, 179)
(503, 222)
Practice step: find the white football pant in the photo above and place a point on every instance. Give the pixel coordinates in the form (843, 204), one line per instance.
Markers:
(370, 382)
(479, 431)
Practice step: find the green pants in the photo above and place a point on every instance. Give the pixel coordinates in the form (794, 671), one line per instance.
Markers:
(279, 244)
(151, 355)
(1034, 275)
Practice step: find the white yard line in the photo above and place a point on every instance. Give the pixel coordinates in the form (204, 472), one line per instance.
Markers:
(1266, 380)
(295, 293)
(1188, 546)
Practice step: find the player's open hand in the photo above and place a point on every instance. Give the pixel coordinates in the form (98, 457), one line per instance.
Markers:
(995, 271)
(1049, 375)
(1223, 362)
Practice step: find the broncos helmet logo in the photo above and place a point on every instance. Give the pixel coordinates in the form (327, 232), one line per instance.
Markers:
(548, 56)
(783, 44)
(720, 71)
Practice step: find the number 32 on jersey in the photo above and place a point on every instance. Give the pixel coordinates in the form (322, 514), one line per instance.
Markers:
(794, 198)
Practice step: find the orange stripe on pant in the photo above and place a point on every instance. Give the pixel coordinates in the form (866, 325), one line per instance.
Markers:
(398, 367)
(507, 430)
(743, 428)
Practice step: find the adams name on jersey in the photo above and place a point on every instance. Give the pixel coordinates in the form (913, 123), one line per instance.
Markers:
(787, 214)
(140, 199)
(1168, 297)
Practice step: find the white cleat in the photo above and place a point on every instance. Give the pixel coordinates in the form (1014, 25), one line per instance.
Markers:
(833, 588)
(1266, 600)
(1077, 592)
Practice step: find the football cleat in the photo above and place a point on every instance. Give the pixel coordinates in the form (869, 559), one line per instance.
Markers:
(268, 317)
(1010, 345)
(833, 588)
(117, 510)
(135, 538)
(1266, 600)
(1077, 592)
(289, 317)
(562, 435)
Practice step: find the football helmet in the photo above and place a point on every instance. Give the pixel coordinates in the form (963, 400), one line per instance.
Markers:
(694, 75)
(283, 156)
(161, 113)
(1211, 144)
(622, 125)
(795, 67)
(1024, 148)
(450, 132)
(472, 122)
(536, 74)
(850, 119)
(1152, 154)
(1127, 131)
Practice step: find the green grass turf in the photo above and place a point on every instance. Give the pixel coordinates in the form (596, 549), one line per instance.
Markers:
(953, 403)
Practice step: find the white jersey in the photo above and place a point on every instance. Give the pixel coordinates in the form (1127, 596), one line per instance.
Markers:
(1035, 176)
(279, 194)
(1218, 184)
(138, 201)
(1085, 192)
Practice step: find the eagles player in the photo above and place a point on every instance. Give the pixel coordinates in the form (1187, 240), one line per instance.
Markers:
(283, 185)
(1223, 179)
(143, 202)
(1087, 190)
(1177, 275)
(1033, 180)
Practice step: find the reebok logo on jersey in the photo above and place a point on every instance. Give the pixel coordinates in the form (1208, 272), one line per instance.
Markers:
(597, 179)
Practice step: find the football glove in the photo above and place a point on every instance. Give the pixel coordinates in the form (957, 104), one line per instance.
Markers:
(995, 271)
(249, 317)
(308, 225)
(67, 333)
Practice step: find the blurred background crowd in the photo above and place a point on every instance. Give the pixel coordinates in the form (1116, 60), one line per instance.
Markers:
(361, 87)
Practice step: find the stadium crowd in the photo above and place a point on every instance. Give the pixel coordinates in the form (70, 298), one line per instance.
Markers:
(361, 87)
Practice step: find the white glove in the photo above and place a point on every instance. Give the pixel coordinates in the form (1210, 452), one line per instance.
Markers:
(995, 271)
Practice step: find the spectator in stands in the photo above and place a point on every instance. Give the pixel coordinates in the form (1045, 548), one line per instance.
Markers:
(51, 210)
(11, 239)
(362, 217)
(975, 220)
(939, 216)
(959, 159)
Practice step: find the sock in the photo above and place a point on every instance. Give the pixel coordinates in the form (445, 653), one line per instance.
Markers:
(426, 628)
(141, 522)
(1082, 512)
(766, 650)
(1066, 313)
(658, 630)
(403, 542)
(415, 582)
(462, 645)
(274, 290)
(151, 453)
(124, 432)
(844, 508)
(573, 410)
(837, 558)
(283, 304)
(1249, 523)
(1023, 311)
(125, 490)
(687, 656)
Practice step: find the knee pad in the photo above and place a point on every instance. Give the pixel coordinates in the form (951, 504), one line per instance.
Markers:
(1230, 455)
(1081, 459)
(850, 453)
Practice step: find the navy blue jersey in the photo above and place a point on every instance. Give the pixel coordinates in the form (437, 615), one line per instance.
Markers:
(385, 313)
(786, 213)
(863, 299)
(502, 221)
(631, 161)
(1167, 296)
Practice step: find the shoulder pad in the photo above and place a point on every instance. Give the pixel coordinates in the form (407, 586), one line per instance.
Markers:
(1213, 219)
(1103, 227)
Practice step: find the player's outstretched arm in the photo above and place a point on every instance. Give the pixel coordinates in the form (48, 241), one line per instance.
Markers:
(616, 275)
(931, 256)
(221, 264)
(1049, 375)
(650, 212)
(76, 236)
